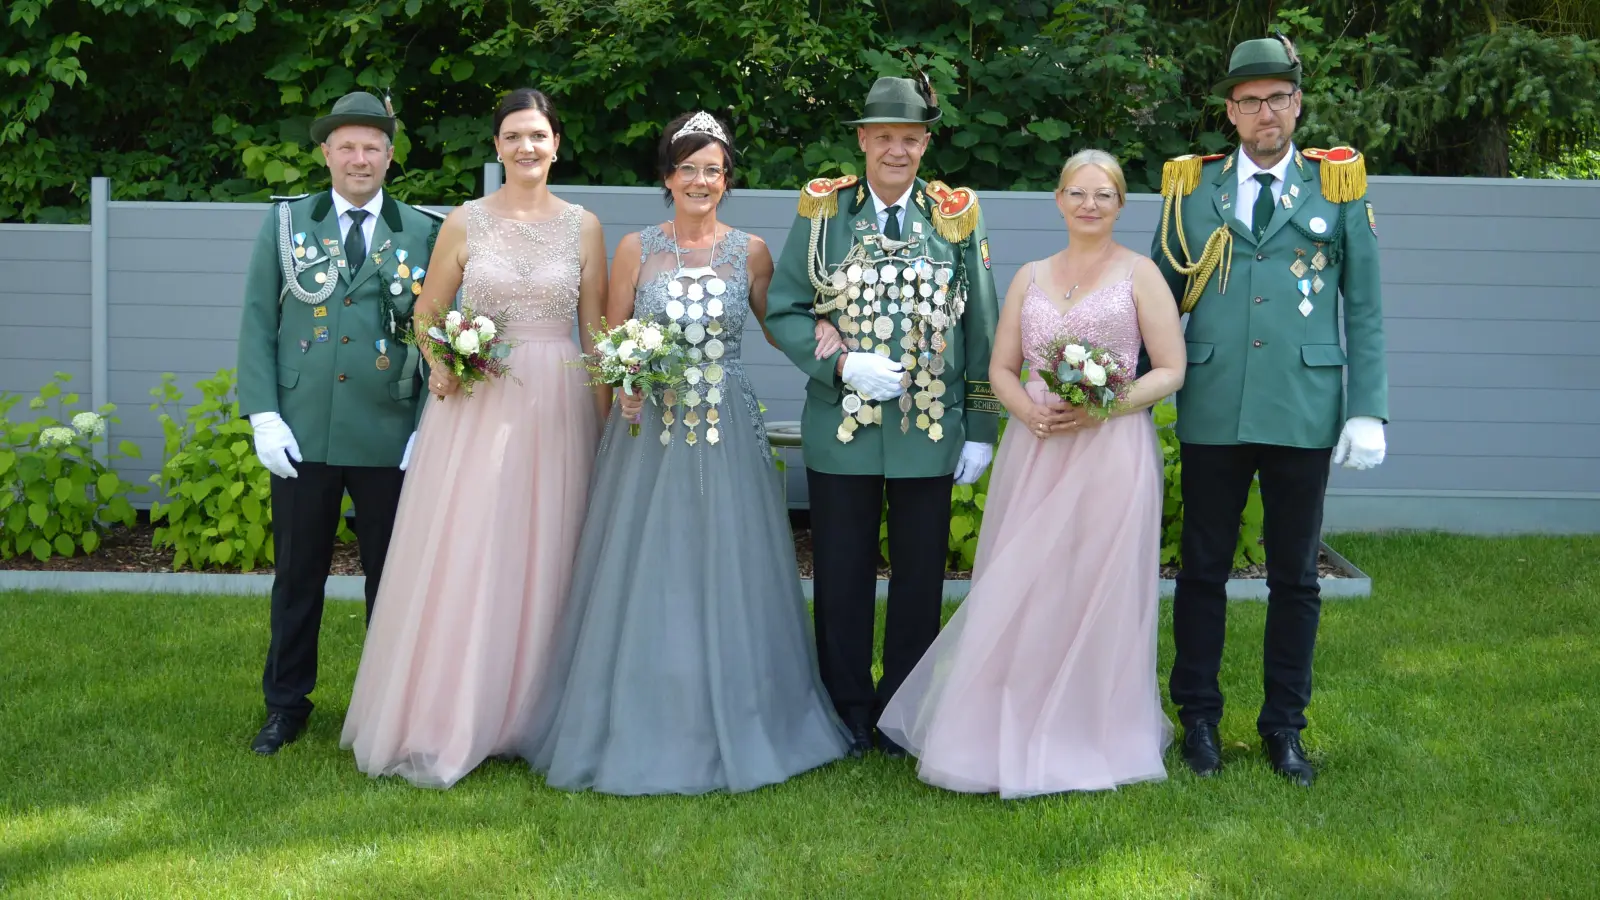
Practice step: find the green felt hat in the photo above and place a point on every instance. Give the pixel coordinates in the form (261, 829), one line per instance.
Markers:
(1260, 58)
(897, 100)
(355, 108)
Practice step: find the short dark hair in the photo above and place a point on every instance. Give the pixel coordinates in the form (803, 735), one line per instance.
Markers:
(527, 98)
(669, 153)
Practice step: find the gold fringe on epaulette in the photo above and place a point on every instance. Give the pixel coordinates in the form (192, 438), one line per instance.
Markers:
(958, 227)
(1344, 181)
(1181, 175)
(827, 205)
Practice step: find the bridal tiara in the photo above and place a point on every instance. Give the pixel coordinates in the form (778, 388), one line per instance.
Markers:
(701, 123)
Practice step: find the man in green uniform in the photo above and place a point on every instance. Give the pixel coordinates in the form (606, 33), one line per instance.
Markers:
(331, 392)
(900, 267)
(1261, 244)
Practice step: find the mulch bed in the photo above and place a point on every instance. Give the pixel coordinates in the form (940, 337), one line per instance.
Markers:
(128, 550)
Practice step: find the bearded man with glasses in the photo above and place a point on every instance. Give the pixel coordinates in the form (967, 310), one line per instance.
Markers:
(1261, 244)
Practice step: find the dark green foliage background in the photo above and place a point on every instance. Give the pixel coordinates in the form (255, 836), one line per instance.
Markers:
(210, 99)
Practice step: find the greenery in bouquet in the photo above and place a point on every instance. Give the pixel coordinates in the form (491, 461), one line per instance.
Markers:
(471, 345)
(639, 357)
(1085, 375)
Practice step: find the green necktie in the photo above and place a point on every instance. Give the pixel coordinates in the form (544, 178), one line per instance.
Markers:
(355, 243)
(1261, 216)
(891, 226)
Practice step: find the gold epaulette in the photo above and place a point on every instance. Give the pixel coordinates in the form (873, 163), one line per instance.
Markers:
(1181, 174)
(1343, 173)
(821, 195)
(955, 211)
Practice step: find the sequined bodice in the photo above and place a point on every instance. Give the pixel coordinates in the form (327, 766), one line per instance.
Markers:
(1107, 317)
(660, 258)
(528, 270)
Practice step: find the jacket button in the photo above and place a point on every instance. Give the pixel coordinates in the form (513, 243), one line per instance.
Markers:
(1258, 300)
(346, 338)
(1259, 258)
(341, 375)
(347, 300)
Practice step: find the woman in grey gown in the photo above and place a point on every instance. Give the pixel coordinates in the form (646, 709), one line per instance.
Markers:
(689, 663)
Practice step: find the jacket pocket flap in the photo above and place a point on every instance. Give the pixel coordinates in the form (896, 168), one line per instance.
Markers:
(822, 393)
(288, 377)
(1198, 351)
(403, 390)
(1322, 354)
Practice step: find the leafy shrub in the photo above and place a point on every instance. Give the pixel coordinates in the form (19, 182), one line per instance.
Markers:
(219, 507)
(55, 496)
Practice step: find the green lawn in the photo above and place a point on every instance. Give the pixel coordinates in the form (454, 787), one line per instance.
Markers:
(1453, 722)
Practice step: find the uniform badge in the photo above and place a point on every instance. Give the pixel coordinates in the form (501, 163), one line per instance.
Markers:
(320, 333)
(318, 312)
(304, 345)
(983, 249)
(1372, 220)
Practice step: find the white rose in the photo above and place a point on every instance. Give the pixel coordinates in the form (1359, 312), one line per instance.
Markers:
(452, 319)
(625, 350)
(650, 339)
(1075, 355)
(467, 342)
(485, 327)
(1094, 374)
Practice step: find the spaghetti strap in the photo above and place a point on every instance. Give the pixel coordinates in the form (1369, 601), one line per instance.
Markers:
(1033, 269)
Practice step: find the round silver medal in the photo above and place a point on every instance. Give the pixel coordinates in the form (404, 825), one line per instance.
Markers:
(695, 291)
(674, 288)
(695, 333)
(674, 308)
(713, 349)
(395, 288)
(696, 310)
(854, 274)
(1318, 224)
(715, 287)
(714, 308)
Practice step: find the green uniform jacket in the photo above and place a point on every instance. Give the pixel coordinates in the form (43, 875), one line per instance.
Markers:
(1260, 370)
(971, 413)
(316, 364)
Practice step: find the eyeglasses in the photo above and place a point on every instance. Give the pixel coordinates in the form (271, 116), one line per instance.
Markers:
(690, 171)
(1103, 197)
(1252, 105)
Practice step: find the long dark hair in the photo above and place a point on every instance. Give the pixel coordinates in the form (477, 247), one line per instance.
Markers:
(669, 153)
(527, 98)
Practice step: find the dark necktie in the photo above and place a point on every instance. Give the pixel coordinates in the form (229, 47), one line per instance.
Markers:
(1261, 215)
(891, 226)
(355, 243)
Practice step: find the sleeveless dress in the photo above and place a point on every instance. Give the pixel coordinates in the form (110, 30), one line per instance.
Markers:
(688, 662)
(494, 499)
(1045, 678)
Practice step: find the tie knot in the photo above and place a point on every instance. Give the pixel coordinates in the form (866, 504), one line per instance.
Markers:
(360, 215)
(891, 210)
(1266, 178)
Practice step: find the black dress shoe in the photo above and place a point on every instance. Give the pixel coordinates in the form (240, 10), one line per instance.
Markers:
(1201, 749)
(860, 741)
(890, 748)
(1287, 757)
(279, 730)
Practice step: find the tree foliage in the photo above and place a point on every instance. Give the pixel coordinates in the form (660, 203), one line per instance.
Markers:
(210, 99)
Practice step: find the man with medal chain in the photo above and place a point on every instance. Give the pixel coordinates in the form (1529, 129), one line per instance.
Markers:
(331, 392)
(889, 306)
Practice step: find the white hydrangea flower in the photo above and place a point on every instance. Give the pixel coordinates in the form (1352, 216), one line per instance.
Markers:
(485, 327)
(1075, 354)
(56, 436)
(89, 423)
(467, 342)
(1094, 374)
(650, 338)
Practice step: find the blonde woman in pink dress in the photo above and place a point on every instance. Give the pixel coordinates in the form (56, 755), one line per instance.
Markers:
(1045, 679)
(495, 495)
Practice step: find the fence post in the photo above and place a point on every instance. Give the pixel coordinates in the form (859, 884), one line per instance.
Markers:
(493, 177)
(99, 301)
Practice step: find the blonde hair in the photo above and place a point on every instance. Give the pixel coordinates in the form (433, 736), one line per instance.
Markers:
(1105, 161)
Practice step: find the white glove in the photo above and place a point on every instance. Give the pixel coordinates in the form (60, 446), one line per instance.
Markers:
(1361, 444)
(975, 458)
(405, 459)
(275, 444)
(873, 375)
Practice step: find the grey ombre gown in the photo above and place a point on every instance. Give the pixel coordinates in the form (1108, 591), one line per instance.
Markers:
(687, 661)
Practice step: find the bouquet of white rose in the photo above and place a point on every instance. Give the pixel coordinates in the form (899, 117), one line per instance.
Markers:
(639, 357)
(1083, 374)
(468, 344)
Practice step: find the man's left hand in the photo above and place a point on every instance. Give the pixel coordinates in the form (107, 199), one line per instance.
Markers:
(1361, 444)
(405, 458)
(975, 458)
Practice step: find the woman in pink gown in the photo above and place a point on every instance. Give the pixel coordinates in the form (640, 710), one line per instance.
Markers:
(1045, 678)
(497, 486)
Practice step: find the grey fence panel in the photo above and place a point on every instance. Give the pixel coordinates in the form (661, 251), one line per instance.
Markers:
(44, 309)
(1492, 315)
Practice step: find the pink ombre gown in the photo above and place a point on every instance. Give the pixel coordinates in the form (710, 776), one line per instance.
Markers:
(1045, 678)
(494, 499)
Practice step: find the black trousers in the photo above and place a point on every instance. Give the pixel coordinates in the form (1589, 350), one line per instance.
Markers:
(1215, 485)
(845, 512)
(305, 518)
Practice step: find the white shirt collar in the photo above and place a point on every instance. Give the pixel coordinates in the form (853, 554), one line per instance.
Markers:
(879, 206)
(1248, 167)
(373, 206)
